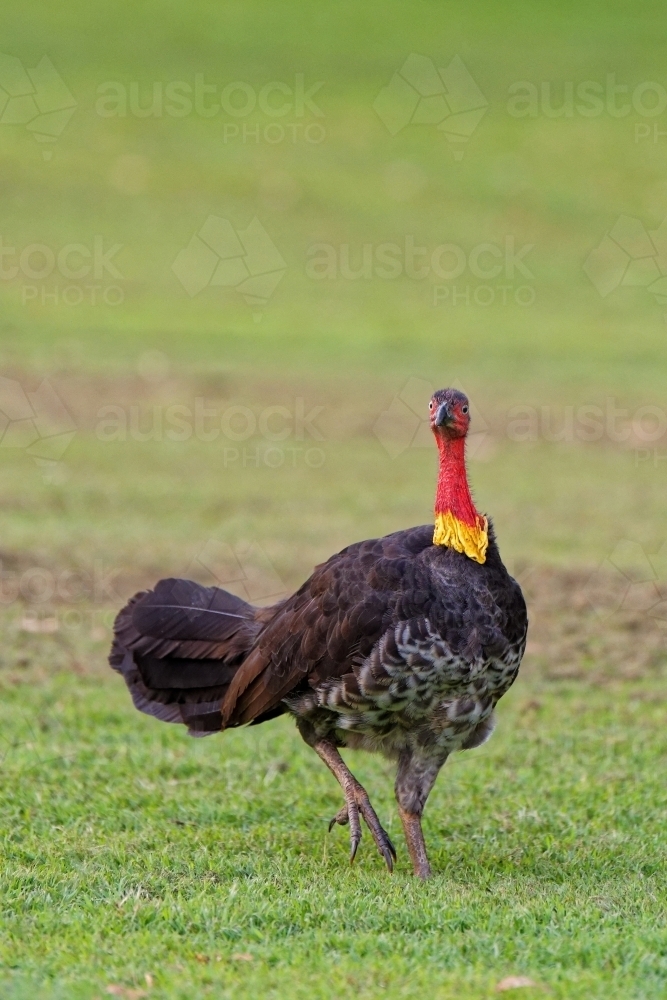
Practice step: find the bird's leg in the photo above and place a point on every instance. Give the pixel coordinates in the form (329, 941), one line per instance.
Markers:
(357, 803)
(414, 780)
(414, 838)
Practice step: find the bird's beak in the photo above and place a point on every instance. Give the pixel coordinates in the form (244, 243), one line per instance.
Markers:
(443, 417)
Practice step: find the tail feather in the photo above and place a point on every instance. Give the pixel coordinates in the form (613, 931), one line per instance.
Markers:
(182, 618)
(181, 609)
(178, 648)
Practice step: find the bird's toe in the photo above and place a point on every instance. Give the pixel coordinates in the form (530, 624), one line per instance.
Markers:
(341, 817)
(380, 835)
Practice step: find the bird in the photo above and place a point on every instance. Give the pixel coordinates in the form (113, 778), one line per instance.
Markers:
(400, 645)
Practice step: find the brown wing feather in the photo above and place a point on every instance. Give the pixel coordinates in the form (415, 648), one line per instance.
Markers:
(335, 619)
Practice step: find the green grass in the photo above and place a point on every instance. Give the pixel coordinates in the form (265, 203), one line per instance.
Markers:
(130, 851)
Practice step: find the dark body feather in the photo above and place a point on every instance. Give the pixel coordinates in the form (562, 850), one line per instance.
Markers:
(393, 642)
(394, 645)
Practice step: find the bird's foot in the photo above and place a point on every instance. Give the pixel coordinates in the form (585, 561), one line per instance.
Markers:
(358, 804)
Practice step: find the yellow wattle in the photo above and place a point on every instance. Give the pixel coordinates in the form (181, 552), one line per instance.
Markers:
(455, 534)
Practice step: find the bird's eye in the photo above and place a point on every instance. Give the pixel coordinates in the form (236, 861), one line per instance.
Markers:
(430, 405)
(464, 409)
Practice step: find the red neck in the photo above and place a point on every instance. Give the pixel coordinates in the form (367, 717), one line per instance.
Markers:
(453, 493)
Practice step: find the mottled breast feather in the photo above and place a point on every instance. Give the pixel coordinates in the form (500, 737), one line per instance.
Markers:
(389, 635)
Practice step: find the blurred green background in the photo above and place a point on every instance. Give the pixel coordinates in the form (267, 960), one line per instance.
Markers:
(315, 385)
(146, 185)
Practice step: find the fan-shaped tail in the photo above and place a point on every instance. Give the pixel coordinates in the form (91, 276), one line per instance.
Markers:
(179, 647)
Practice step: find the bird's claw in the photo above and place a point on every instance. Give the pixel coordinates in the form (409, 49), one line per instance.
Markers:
(359, 803)
(354, 844)
(341, 817)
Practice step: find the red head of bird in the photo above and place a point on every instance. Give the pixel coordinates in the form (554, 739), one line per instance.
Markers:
(458, 525)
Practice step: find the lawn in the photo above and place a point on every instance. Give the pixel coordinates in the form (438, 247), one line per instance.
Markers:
(242, 437)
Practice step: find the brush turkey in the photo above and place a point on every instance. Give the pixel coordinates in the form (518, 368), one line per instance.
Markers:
(400, 645)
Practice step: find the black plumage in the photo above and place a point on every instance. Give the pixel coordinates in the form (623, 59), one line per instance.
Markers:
(394, 645)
